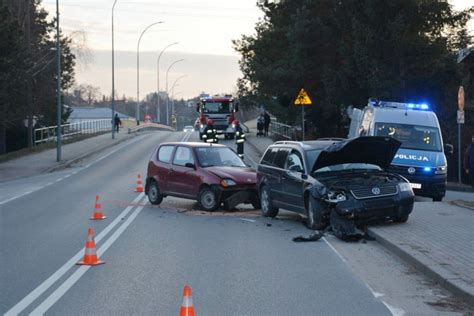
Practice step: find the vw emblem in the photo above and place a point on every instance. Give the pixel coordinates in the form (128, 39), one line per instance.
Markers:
(375, 191)
(249, 180)
(411, 170)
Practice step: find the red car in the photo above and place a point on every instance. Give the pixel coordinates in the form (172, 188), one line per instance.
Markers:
(209, 173)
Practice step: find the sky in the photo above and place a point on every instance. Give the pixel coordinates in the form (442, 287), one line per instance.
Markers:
(204, 30)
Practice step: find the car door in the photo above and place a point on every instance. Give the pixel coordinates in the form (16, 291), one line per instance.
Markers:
(163, 158)
(183, 176)
(278, 171)
(292, 182)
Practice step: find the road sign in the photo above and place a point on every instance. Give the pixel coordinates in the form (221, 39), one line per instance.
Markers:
(460, 117)
(461, 100)
(303, 98)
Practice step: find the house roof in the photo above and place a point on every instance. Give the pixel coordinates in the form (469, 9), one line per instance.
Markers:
(93, 113)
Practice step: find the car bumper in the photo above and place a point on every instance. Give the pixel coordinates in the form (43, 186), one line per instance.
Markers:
(368, 210)
(432, 185)
(238, 194)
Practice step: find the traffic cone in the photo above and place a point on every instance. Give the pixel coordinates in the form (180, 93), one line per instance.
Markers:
(90, 256)
(139, 187)
(187, 308)
(97, 210)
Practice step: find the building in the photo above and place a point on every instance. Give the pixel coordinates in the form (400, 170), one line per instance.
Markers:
(81, 114)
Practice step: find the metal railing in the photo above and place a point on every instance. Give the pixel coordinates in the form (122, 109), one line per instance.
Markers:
(48, 134)
(283, 130)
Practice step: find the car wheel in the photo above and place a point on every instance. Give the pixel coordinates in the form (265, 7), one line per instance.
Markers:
(268, 210)
(154, 195)
(314, 219)
(438, 198)
(208, 199)
(401, 218)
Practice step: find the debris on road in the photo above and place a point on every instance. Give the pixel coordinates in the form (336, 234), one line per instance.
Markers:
(314, 237)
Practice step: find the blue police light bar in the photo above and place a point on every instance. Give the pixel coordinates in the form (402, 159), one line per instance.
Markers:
(398, 105)
(426, 169)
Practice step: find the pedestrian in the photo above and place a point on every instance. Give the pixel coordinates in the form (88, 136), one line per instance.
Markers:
(260, 125)
(266, 122)
(117, 122)
(209, 134)
(469, 161)
(239, 138)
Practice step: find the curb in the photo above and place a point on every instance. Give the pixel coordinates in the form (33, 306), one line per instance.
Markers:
(68, 163)
(426, 269)
(463, 188)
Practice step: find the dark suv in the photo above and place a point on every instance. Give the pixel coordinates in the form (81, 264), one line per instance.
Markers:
(333, 181)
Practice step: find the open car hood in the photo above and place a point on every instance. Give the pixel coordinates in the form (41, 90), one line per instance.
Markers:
(368, 149)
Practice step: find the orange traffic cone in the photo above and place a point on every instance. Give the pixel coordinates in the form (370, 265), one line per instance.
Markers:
(90, 256)
(98, 210)
(139, 187)
(187, 308)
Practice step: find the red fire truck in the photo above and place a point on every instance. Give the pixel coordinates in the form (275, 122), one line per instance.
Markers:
(221, 109)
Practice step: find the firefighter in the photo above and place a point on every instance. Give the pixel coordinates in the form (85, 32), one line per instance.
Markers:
(239, 138)
(210, 134)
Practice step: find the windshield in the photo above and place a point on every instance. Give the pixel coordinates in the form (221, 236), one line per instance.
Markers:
(349, 166)
(411, 136)
(216, 107)
(218, 156)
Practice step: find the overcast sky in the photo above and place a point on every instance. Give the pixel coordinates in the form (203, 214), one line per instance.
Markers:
(204, 29)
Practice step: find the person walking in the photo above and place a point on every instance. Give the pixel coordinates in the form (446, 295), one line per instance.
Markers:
(117, 122)
(239, 138)
(266, 122)
(469, 161)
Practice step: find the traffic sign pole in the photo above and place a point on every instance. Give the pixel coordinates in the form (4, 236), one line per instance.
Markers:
(302, 120)
(460, 121)
(302, 100)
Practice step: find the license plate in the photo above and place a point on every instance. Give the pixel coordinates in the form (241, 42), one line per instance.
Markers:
(415, 185)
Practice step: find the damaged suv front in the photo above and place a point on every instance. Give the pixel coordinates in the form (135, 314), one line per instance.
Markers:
(352, 188)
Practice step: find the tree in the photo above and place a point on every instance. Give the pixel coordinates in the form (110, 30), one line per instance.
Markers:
(343, 52)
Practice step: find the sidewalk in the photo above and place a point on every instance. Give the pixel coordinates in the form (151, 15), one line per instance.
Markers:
(45, 161)
(438, 239)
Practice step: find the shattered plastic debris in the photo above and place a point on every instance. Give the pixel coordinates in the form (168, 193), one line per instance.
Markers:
(344, 228)
(314, 237)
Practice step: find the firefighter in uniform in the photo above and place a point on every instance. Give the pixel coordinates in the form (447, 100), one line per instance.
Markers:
(210, 134)
(239, 138)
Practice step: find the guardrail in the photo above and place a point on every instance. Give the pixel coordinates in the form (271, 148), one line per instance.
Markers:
(283, 130)
(48, 134)
(149, 126)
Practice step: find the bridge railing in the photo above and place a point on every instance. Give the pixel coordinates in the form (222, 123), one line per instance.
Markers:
(48, 133)
(282, 131)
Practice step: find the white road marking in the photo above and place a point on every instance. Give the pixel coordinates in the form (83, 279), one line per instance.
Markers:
(33, 295)
(394, 310)
(63, 288)
(75, 172)
(334, 249)
(248, 220)
(186, 137)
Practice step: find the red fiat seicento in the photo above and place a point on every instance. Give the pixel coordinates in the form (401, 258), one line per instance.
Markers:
(209, 173)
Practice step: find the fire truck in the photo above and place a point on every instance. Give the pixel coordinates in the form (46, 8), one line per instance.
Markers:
(221, 109)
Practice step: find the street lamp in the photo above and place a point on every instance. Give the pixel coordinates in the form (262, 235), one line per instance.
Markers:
(172, 91)
(58, 86)
(167, 97)
(158, 114)
(113, 73)
(137, 110)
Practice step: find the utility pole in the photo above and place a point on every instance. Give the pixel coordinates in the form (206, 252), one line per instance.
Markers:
(158, 112)
(58, 87)
(29, 92)
(113, 74)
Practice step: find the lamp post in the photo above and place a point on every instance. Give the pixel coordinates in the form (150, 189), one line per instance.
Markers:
(172, 91)
(158, 114)
(113, 73)
(167, 96)
(137, 110)
(58, 86)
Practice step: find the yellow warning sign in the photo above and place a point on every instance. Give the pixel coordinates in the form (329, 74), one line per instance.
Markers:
(303, 98)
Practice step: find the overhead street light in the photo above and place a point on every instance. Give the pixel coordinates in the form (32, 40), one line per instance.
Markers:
(58, 86)
(158, 114)
(113, 74)
(137, 110)
(175, 84)
(167, 96)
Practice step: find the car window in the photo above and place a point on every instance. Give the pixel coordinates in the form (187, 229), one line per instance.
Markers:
(183, 156)
(280, 157)
(269, 156)
(294, 161)
(164, 154)
(218, 156)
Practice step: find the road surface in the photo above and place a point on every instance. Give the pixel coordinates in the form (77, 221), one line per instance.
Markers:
(236, 263)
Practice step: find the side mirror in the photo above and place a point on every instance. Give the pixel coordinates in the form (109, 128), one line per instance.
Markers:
(448, 149)
(190, 165)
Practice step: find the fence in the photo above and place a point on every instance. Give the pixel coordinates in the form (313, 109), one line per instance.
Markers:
(48, 134)
(283, 131)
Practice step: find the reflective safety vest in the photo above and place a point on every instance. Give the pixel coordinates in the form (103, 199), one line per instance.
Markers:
(210, 135)
(239, 135)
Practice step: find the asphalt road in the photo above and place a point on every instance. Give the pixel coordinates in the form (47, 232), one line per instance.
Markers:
(236, 265)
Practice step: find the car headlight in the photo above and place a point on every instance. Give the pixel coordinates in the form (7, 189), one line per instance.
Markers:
(202, 126)
(227, 183)
(441, 169)
(404, 186)
(335, 197)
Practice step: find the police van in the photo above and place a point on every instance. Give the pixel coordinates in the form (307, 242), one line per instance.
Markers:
(421, 157)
